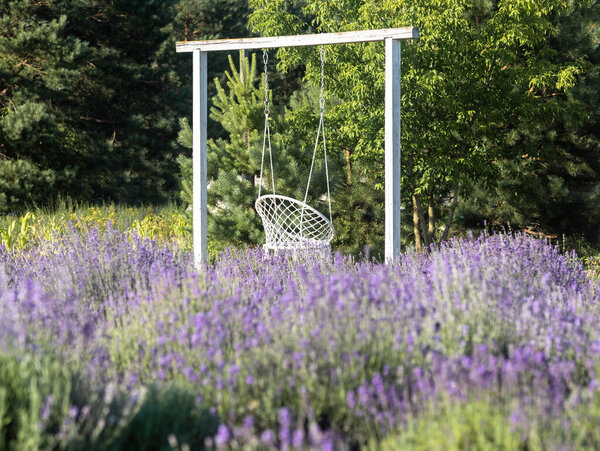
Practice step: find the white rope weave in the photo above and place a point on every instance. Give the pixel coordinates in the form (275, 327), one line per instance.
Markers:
(292, 224)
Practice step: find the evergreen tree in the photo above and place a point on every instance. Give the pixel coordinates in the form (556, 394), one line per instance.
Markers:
(130, 102)
(234, 162)
(38, 71)
(88, 103)
(199, 20)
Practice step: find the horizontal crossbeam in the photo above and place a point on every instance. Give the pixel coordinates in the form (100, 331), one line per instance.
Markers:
(303, 40)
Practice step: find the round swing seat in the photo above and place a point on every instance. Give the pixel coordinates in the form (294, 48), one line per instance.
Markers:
(291, 224)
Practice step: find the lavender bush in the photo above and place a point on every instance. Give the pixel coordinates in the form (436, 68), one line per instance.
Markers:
(496, 340)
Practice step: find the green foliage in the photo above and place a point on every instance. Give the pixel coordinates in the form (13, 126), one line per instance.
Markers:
(165, 224)
(34, 397)
(168, 413)
(474, 425)
(88, 104)
(22, 182)
(17, 237)
(474, 76)
(483, 424)
(233, 162)
(552, 186)
(198, 20)
(593, 267)
(241, 113)
(359, 218)
(209, 19)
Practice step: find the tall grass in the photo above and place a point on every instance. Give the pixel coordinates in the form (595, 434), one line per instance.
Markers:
(161, 223)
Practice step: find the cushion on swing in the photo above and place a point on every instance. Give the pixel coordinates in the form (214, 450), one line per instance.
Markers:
(292, 224)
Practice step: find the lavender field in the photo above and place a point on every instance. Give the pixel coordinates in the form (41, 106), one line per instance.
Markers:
(114, 342)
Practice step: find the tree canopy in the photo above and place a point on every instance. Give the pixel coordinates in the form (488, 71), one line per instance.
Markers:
(91, 94)
(478, 74)
(499, 110)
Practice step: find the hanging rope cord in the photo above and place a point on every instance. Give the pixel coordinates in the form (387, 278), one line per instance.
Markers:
(267, 132)
(321, 129)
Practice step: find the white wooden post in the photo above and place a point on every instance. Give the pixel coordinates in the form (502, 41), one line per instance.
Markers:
(392, 149)
(199, 158)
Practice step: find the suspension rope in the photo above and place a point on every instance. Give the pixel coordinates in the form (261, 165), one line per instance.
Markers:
(267, 132)
(321, 127)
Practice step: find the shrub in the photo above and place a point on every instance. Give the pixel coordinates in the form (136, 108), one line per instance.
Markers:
(21, 182)
(167, 413)
(46, 405)
(453, 426)
(34, 399)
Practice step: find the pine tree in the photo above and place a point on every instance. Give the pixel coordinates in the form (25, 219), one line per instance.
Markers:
(234, 162)
(199, 20)
(88, 103)
(37, 63)
(129, 102)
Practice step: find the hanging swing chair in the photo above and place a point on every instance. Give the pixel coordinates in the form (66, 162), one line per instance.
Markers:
(292, 224)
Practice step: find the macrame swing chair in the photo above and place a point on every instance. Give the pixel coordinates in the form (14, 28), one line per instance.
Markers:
(291, 224)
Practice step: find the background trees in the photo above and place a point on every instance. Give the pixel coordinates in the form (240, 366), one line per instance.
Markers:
(552, 185)
(500, 109)
(86, 110)
(481, 74)
(91, 94)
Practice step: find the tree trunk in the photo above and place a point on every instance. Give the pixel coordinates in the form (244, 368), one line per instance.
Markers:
(416, 230)
(422, 224)
(451, 213)
(431, 219)
(348, 165)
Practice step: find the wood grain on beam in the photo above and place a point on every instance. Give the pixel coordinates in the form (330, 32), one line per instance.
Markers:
(346, 37)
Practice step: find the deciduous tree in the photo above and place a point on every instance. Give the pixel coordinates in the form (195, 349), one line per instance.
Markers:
(467, 83)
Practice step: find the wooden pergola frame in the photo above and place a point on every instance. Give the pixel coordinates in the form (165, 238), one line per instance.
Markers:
(392, 38)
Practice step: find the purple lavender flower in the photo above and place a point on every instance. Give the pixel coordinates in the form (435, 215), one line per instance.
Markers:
(222, 435)
(355, 347)
(267, 437)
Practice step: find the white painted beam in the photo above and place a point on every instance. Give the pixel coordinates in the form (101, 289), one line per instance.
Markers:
(392, 149)
(346, 37)
(199, 123)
